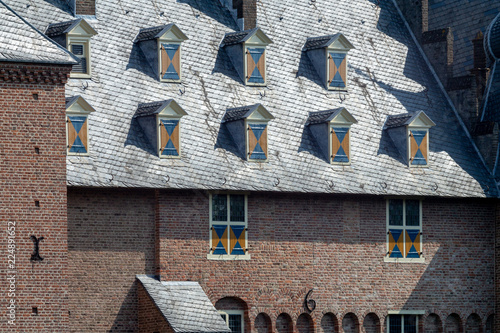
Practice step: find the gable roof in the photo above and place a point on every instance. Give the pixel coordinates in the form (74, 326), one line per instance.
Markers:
(22, 42)
(56, 29)
(324, 41)
(401, 82)
(406, 119)
(237, 37)
(156, 32)
(319, 117)
(184, 305)
(147, 109)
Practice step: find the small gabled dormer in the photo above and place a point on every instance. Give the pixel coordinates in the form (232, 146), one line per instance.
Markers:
(328, 55)
(247, 51)
(332, 130)
(75, 36)
(248, 127)
(161, 123)
(77, 112)
(162, 47)
(410, 134)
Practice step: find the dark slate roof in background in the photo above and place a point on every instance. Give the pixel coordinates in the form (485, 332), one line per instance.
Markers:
(237, 37)
(321, 116)
(398, 120)
(56, 29)
(491, 106)
(22, 42)
(151, 33)
(318, 42)
(381, 84)
(184, 305)
(147, 109)
(71, 100)
(492, 38)
(238, 113)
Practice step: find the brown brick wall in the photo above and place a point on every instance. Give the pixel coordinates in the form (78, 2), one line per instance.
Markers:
(85, 7)
(110, 240)
(149, 317)
(32, 116)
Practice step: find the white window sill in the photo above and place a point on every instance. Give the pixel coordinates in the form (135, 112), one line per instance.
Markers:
(420, 260)
(228, 257)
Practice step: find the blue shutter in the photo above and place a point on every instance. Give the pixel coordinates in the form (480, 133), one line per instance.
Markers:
(256, 65)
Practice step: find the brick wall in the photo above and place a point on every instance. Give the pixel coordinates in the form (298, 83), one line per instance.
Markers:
(336, 245)
(110, 240)
(85, 7)
(33, 195)
(150, 318)
(497, 266)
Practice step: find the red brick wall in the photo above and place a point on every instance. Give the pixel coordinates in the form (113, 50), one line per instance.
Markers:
(497, 266)
(336, 245)
(32, 115)
(110, 240)
(85, 7)
(149, 317)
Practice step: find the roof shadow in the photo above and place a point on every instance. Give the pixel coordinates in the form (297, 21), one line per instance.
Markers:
(214, 10)
(306, 69)
(137, 138)
(387, 147)
(62, 5)
(308, 144)
(225, 141)
(139, 62)
(223, 65)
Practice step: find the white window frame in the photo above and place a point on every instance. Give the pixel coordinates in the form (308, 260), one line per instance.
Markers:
(241, 313)
(404, 227)
(245, 65)
(402, 314)
(167, 41)
(158, 122)
(247, 125)
(67, 136)
(228, 256)
(408, 144)
(85, 41)
(327, 55)
(330, 144)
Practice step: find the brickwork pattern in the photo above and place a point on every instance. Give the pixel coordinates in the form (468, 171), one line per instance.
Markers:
(33, 195)
(85, 7)
(149, 317)
(110, 240)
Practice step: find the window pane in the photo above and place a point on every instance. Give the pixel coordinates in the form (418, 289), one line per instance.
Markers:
(394, 324)
(410, 324)
(219, 207)
(224, 316)
(412, 212)
(235, 323)
(237, 208)
(395, 212)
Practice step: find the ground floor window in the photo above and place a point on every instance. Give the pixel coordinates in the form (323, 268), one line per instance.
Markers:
(234, 320)
(403, 324)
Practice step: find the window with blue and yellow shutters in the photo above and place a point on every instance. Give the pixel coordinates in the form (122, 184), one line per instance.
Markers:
(404, 228)
(170, 61)
(77, 134)
(418, 147)
(337, 70)
(256, 65)
(257, 141)
(169, 137)
(340, 145)
(228, 224)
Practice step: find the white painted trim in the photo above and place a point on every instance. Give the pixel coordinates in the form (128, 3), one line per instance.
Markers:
(158, 121)
(330, 143)
(245, 50)
(406, 312)
(247, 143)
(85, 41)
(241, 313)
(158, 45)
(403, 318)
(211, 256)
(328, 50)
(404, 227)
(408, 145)
(448, 99)
(80, 114)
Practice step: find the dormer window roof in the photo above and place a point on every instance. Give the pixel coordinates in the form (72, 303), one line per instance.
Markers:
(332, 131)
(75, 35)
(248, 127)
(328, 55)
(77, 111)
(410, 134)
(247, 51)
(162, 47)
(161, 122)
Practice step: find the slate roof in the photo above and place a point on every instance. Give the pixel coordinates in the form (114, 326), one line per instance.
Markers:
(322, 116)
(238, 113)
(237, 37)
(151, 33)
(319, 42)
(71, 100)
(387, 75)
(491, 103)
(147, 109)
(398, 120)
(22, 42)
(56, 29)
(184, 305)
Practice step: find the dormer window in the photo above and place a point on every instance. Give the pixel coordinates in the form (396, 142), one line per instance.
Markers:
(161, 122)
(332, 130)
(247, 51)
(162, 48)
(328, 55)
(75, 36)
(410, 134)
(248, 127)
(77, 112)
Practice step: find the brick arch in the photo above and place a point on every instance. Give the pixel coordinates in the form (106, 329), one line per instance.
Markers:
(263, 323)
(433, 324)
(284, 323)
(305, 323)
(473, 324)
(350, 323)
(371, 323)
(235, 303)
(453, 324)
(329, 323)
